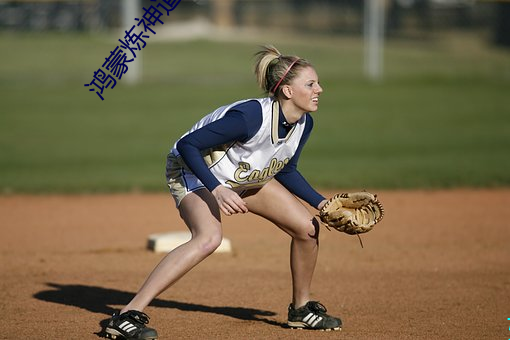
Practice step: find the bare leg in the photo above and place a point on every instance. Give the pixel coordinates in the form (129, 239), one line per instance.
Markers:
(200, 212)
(278, 205)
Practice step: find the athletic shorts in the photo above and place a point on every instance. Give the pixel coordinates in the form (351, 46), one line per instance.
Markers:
(180, 180)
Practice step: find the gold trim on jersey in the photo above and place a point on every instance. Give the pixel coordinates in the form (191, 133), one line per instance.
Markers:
(275, 115)
(213, 155)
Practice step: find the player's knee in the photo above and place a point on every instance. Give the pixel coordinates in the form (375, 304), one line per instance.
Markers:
(309, 231)
(207, 244)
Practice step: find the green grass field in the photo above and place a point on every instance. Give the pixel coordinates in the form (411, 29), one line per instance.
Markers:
(440, 118)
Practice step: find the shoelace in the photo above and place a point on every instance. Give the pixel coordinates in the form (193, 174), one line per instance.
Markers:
(140, 317)
(316, 306)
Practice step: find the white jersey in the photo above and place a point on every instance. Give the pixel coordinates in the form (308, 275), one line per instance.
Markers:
(253, 163)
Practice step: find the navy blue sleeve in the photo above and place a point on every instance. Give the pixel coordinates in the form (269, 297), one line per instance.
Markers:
(292, 179)
(240, 123)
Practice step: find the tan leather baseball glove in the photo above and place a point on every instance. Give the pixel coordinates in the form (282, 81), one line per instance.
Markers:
(352, 213)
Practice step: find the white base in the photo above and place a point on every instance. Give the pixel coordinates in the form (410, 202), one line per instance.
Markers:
(166, 242)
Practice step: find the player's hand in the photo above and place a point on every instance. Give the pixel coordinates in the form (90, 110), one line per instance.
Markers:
(229, 201)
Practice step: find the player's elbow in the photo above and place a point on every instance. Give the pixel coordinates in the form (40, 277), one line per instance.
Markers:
(184, 146)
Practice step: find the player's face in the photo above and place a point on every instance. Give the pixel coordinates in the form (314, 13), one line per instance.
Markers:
(306, 90)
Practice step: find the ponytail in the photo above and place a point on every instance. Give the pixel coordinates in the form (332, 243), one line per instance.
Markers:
(273, 70)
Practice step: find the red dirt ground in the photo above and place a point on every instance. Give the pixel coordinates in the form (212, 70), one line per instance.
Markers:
(436, 267)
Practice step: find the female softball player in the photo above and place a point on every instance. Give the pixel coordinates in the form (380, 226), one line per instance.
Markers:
(243, 158)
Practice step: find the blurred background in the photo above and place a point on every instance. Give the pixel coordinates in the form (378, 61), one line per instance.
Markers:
(416, 91)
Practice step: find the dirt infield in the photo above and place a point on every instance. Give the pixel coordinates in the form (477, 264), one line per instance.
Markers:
(437, 267)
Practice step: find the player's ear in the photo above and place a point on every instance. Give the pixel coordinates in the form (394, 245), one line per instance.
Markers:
(287, 91)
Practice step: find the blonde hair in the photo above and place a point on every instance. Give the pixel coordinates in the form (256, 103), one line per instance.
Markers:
(273, 70)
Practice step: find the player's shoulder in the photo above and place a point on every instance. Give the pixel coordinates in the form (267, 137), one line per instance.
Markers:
(248, 106)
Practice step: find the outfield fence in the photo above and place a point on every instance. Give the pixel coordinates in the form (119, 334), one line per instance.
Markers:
(408, 18)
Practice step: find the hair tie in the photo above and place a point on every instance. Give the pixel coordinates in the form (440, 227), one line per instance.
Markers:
(283, 77)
